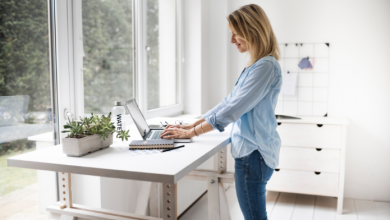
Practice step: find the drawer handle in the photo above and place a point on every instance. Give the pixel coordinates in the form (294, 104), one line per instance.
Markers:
(317, 173)
(319, 149)
(279, 123)
(319, 125)
(277, 170)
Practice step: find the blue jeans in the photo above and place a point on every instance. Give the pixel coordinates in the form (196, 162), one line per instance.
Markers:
(252, 175)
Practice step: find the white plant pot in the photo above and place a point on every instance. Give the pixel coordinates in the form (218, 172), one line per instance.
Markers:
(76, 147)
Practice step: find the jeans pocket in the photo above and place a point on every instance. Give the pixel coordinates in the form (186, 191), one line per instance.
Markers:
(240, 163)
(266, 171)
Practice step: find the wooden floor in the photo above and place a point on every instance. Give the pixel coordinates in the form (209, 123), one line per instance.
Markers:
(24, 204)
(289, 206)
(21, 204)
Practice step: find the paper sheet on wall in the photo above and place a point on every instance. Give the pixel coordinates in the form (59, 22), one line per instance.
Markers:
(289, 83)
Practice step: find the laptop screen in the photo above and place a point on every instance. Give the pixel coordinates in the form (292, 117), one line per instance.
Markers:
(138, 118)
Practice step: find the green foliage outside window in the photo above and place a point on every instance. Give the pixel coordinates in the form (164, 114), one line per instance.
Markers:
(152, 40)
(108, 64)
(24, 51)
(24, 59)
(107, 44)
(24, 70)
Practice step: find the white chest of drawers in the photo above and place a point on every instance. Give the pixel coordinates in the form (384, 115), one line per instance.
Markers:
(312, 157)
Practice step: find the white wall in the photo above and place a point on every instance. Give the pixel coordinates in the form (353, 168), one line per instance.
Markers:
(205, 45)
(192, 55)
(214, 53)
(359, 36)
(167, 51)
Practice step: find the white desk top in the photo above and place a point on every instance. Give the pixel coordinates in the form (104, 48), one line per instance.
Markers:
(119, 162)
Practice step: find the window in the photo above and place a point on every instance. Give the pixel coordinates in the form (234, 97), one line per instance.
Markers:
(128, 49)
(107, 53)
(161, 49)
(25, 94)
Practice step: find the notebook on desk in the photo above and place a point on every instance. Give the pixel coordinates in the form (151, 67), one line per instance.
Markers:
(151, 144)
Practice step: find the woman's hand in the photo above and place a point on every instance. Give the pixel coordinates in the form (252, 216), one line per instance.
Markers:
(186, 127)
(175, 132)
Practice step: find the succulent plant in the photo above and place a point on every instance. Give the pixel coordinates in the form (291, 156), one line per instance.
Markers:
(94, 124)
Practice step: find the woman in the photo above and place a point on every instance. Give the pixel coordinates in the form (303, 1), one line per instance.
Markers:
(250, 106)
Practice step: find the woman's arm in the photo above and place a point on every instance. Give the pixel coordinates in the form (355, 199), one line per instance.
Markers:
(214, 110)
(186, 127)
(173, 132)
(198, 122)
(257, 85)
(202, 128)
(218, 107)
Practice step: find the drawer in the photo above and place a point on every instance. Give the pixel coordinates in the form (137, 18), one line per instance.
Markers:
(305, 182)
(310, 159)
(310, 135)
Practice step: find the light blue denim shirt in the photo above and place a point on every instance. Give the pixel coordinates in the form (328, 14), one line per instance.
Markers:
(251, 107)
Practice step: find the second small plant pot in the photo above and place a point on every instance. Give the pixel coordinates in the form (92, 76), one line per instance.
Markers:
(76, 147)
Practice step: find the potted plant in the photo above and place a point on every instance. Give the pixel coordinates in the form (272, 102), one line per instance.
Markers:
(90, 134)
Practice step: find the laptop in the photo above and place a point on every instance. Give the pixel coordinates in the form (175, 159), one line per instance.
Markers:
(146, 132)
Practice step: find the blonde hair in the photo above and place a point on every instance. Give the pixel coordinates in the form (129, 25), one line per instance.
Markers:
(252, 25)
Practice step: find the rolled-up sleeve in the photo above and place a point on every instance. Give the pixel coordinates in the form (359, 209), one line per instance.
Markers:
(254, 88)
(218, 107)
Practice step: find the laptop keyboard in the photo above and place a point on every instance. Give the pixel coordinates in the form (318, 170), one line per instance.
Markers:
(156, 134)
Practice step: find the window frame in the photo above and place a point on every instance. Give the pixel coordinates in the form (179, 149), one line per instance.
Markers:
(65, 61)
(171, 110)
(70, 55)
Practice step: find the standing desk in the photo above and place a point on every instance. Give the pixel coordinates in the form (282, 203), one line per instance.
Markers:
(165, 168)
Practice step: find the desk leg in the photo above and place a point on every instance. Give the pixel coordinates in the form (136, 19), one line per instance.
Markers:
(224, 206)
(218, 206)
(65, 189)
(213, 198)
(169, 201)
(222, 165)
